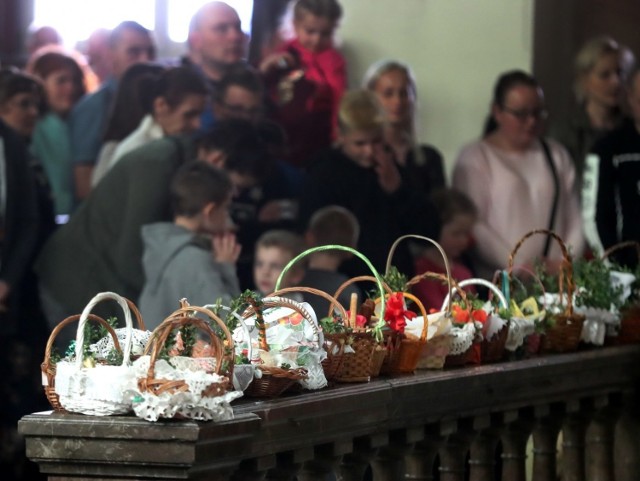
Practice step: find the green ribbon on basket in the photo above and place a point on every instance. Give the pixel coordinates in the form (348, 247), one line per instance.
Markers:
(377, 329)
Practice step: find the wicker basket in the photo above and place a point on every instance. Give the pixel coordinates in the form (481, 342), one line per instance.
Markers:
(367, 360)
(272, 380)
(529, 330)
(86, 389)
(565, 329)
(630, 315)
(436, 351)
(343, 365)
(491, 350)
(334, 343)
(48, 367)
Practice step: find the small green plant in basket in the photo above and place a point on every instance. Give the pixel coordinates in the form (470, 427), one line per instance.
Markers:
(92, 334)
(594, 286)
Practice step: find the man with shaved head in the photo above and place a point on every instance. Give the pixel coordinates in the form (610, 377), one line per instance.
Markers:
(216, 43)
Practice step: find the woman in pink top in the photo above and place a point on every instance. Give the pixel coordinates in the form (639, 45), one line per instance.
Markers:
(515, 184)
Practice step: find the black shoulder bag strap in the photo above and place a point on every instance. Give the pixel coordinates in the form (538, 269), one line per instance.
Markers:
(556, 195)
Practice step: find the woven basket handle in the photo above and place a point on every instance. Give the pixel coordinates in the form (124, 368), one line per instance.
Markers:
(333, 301)
(122, 302)
(508, 273)
(622, 245)
(566, 268)
(376, 275)
(448, 280)
(481, 282)
(190, 310)
(182, 317)
(354, 280)
(421, 237)
(275, 301)
(240, 319)
(46, 363)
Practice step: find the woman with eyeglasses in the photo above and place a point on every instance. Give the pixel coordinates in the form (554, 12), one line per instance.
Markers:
(518, 180)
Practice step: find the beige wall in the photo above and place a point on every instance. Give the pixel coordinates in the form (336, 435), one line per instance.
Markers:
(456, 48)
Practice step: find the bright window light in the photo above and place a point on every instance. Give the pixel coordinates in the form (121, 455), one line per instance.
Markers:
(181, 11)
(75, 20)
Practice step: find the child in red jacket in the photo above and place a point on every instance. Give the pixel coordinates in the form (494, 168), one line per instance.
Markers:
(306, 78)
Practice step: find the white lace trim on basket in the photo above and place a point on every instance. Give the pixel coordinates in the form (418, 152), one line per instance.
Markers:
(191, 404)
(519, 328)
(104, 346)
(597, 323)
(462, 338)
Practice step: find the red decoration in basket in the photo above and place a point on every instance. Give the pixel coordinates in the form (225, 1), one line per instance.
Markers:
(395, 313)
(463, 315)
(361, 321)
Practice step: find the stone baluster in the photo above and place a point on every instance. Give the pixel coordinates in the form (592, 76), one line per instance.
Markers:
(254, 469)
(354, 465)
(545, 442)
(288, 464)
(454, 449)
(515, 434)
(419, 462)
(573, 431)
(326, 459)
(482, 454)
(627, 439)
(599, 440)
(389, 462)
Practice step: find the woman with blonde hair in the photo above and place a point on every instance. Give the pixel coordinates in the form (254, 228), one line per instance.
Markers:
(394, 85)
(600, 69)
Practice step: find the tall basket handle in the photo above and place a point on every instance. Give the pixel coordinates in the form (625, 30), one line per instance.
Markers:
(421, 237)
(84, 316)
(379, 282)
(188, 310)
(449, 281)
(622, 245)
(333, 301)
(483, 282)
(566, 267)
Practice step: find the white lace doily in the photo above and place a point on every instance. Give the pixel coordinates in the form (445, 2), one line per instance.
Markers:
(596, 323)
(104, 346)
(519, 328)
(191, 404)
(462, 338)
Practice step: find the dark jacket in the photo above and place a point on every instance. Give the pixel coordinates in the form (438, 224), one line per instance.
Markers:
(615, 190)
(333, 178)
(100, 248)
(20, 220)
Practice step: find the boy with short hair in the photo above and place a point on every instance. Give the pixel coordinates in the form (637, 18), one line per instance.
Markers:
(274, 249)
(330, 225)
(194, 256)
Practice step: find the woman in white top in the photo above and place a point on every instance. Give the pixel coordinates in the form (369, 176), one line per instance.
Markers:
(515, 184)
(173, 102)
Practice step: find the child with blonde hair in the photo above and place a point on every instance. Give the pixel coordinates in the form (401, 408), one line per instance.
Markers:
(362, 175)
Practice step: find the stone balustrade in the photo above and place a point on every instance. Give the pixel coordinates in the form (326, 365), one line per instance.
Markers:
(484, 423)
